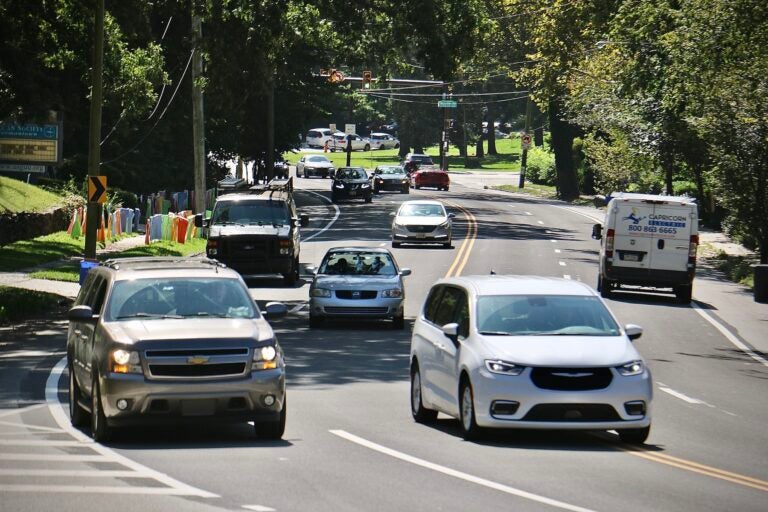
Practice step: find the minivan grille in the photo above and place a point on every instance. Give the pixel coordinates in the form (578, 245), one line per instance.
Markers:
(571, 379)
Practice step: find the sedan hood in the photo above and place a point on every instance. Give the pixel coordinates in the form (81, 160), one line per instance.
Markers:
(564, 351)
(250, 230)
(332, 282)
(319, 165)
(353, 182)
(135, 331)
(420, 221)
(393, 177)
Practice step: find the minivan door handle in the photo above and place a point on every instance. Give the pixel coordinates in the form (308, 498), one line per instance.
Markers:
(660, 243)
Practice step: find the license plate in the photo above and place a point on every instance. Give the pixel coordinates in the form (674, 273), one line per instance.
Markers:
(631, 257)
(421, 235)
(353, 193)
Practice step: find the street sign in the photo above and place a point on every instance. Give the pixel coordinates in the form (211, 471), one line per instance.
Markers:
(97, 189)
(349, 129)
(447, 104)
(525, 140)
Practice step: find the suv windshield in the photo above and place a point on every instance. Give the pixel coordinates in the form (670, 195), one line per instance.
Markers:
(179, 297)
(536, 315)
(272, 213)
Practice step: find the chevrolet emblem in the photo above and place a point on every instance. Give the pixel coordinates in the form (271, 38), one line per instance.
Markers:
(197, 360)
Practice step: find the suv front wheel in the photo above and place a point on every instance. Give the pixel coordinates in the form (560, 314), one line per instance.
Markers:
(77, 414)
(100, 431)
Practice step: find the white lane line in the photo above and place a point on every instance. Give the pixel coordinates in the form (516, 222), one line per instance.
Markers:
(11, 412)
(728, 335)
(92, 473)
(62, 419)
(561, 263)
(298, 308)
(681, 396)
(558, 251)
(333, 220)
(259, 508)
(31, 427)
(93, 489)
(39, 442)
(541, 222)
(53, 458)
(457, 474)
(528, 213)
(566, 276)
(573, 210)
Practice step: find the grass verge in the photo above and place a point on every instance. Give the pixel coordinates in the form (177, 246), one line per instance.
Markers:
(17, 304)
(43, 249)
(17, 196)
(739, 269)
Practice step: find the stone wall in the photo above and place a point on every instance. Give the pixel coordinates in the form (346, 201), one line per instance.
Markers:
(26, 225)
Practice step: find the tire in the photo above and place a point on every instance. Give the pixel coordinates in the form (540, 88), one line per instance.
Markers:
(100, 431)
(469, 428)
(315, 321)
(367, 147)
(77, 415)
(634, 435)
(683, 293)
(291, 277)
(604, 285)
(397, 146)
(398, 323)
(447, 245)
(420, 413)
(369, 199)
(273, 430)
(305, 173)
(447, 189)
(418, 187)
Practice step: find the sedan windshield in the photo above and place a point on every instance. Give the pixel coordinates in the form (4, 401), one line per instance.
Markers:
(391, 170)
(318, 160)
(532, 315)
(358, 263)
(421, 210)
(179, 298)
(256, 212)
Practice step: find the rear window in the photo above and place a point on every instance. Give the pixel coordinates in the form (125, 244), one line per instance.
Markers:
(314, 134)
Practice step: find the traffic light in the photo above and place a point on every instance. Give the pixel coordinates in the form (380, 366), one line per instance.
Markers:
(366, 79)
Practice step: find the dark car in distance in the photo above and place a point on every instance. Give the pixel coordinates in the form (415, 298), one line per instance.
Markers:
(390, 177)
(351, 183)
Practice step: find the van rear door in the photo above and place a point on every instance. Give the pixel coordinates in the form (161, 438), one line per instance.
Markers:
(633, 239)
(672, 226)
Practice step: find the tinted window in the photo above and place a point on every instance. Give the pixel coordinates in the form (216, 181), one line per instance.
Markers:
(256, 213)
(433, 301)
(358, 263)
(421, 210)
(448, 303)
(540, 314)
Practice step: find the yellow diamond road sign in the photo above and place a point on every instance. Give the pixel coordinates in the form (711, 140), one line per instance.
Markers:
(97, 189)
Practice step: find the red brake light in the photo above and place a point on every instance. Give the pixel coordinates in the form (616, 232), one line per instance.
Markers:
(694, 245)
(609, 236)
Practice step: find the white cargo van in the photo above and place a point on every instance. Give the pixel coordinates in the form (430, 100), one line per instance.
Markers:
(648, 240)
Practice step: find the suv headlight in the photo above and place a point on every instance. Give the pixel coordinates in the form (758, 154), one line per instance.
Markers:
(503, 367)
(631, 368)
(394, 293)
(319, 292)
(124, 361)
(365, 185)
(339, 185)
(265, 358)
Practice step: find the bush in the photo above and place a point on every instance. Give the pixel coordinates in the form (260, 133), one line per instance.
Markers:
(684, 188)
(125, 198)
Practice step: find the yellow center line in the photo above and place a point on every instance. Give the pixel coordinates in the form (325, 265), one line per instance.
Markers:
(695, 467)
(466, 246)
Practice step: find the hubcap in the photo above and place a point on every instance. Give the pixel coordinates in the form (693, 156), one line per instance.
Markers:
(466, 409)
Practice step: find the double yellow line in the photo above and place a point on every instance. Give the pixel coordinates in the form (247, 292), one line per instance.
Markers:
(466, 246)
(695, 467)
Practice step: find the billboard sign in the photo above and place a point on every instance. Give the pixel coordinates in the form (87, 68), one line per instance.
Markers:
(30, 143)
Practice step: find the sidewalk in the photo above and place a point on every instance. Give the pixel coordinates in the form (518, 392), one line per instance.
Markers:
(731, 304)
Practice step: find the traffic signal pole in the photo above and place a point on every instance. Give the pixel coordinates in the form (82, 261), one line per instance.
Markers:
(524, 157)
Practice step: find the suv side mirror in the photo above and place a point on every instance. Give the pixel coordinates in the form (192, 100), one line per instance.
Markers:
(81, 313)
(451, 215)
(597, 231)
(275, 309)
(199, 220)
(304, 220)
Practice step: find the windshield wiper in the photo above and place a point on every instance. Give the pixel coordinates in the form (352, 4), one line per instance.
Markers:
(147, 315)
(206, 313)
(496, 333)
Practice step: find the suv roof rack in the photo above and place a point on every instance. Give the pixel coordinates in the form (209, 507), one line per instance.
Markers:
(152, 262)
(275, 185)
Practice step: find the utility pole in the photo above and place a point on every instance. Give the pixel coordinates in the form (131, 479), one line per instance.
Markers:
(524, 157)
(444, 137)
(94, 135)
(198, 122)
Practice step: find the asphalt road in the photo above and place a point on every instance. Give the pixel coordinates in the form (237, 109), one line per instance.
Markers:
(350, 443)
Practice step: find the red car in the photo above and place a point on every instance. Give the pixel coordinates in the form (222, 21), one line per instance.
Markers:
(430, 177)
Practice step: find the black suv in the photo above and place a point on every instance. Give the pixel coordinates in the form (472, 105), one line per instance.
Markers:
(257, 231)
(351, 183)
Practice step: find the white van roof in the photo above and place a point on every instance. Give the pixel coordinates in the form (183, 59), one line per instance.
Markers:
(652, 197)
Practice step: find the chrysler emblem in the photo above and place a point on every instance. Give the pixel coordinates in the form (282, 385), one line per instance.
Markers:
(197, 360)
(574, 374)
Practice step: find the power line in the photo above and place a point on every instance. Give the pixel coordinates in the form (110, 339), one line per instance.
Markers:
(440, 95)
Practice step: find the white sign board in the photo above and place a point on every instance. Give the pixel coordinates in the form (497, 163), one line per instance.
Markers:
(332, 127)
(349, 129)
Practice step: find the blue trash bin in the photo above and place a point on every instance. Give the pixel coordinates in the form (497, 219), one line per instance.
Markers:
(85, 266)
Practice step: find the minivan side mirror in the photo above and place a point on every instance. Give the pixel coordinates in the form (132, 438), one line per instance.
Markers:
(451, 332)
(597, 231)
(633, 331)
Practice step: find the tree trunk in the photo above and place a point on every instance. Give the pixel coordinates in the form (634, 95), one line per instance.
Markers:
(491, 132)
(562, 145)
(479, 147)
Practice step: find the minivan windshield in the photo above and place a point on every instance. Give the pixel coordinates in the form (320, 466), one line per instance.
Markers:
(270, 213)
(539, 315)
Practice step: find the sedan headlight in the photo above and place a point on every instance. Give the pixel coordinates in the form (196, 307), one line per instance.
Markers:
(445, 225)
(265, 358)
(394, 293)
(319, 292)
(124, 361)
(632, 368)
(503, 367)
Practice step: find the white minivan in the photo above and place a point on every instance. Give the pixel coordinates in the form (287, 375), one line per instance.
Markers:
(648, 240)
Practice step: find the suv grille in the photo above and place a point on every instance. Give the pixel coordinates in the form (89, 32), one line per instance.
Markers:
(571, 379)
(203, 370)
(194, 363)
(572, 412)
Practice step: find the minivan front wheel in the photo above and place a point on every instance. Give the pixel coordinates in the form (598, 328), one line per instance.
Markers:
(420, 413)
(469, 428)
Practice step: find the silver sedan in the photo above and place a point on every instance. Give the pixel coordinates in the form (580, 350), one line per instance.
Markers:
(422, 222)
(357, 282)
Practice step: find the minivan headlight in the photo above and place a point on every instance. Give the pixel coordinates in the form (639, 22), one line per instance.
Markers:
(503, 367)
(631, 368)
(265, 358)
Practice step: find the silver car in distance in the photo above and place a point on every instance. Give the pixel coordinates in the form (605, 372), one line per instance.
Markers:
(527, 352)
(358, 282)
(422, 222)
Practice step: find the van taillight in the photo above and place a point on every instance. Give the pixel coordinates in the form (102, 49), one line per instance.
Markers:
(694, 245)
(609, 243)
